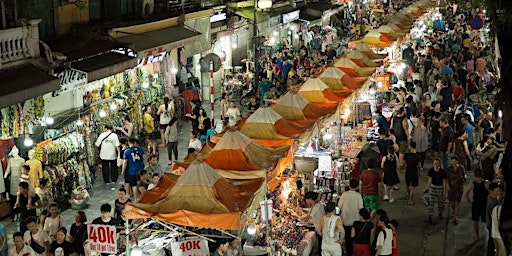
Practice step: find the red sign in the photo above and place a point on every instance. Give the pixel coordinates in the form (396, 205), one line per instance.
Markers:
(102, 238)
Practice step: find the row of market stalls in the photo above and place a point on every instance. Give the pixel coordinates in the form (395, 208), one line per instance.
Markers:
(311, 138)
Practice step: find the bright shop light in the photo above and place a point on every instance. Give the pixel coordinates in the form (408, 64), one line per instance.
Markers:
(28, 142)
(102, 113)
(49, 120)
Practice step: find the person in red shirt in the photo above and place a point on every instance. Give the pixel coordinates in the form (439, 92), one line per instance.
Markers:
(395, 249)
(370, 185)
(458, 92)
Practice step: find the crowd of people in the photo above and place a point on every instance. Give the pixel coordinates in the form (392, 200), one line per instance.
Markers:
(443, 113)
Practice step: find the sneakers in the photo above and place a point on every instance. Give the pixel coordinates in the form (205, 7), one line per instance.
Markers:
(385, 198)
(391, 200)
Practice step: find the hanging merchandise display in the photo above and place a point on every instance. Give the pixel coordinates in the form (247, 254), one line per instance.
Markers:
(64, 163)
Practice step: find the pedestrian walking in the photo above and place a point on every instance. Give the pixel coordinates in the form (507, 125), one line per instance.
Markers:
(133, 162)
(389, 165)
(456, 177)
(108, 142)
(412, 171)
(479, 187)
(361, 234)
(350, 203)
(370, 184)
(437, 188)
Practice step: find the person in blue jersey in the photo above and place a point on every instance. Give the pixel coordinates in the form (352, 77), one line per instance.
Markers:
(133, 162)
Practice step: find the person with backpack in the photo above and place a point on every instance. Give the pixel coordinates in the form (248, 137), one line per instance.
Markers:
(385, 238)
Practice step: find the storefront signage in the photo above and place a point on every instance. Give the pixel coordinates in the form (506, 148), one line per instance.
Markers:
(151, 59)
(71, 79)
(289, 17)
(196, 247)
(102, 238)
(218, 17)
(274, 21)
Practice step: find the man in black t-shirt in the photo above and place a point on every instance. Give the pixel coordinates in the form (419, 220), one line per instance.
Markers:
(106, 219)
(437, 188)
(23, 208)
(412, 170)
(253, 105)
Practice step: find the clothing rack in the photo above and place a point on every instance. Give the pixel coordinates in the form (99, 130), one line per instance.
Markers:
(64, 134)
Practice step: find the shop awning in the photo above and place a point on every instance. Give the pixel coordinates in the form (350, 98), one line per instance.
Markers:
(310, 15)
(248, 13)
(161, 40)
(25, 82)
(322, 7)
(105, 65)
(79, 48)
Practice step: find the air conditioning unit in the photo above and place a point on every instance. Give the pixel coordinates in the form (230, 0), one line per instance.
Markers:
(148, 6)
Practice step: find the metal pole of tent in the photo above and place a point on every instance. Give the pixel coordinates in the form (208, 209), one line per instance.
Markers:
(212, 94)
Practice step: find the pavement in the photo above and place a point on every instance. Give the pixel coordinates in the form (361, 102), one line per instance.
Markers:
(416, 236)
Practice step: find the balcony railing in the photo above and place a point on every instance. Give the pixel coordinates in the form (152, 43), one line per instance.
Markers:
(21, 43)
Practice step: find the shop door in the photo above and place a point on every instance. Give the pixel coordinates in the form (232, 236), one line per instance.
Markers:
(43, 10)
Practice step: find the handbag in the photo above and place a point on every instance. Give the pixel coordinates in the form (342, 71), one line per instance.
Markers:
(119, 160)
(35, 246)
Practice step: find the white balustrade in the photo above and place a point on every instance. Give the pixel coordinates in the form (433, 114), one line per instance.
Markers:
(19, 43)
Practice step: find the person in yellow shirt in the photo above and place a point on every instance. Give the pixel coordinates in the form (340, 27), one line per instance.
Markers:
(149, 127)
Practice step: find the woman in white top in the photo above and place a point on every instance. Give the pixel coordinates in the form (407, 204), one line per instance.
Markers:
(385, 238)
(333, 233)
(233, 114)
(166, 112)
(194, 141)
(53, 222)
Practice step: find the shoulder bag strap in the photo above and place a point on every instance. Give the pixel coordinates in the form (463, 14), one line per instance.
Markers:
(105, 138)
(360, 231)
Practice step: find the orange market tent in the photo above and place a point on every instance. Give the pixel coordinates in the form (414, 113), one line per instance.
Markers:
(374, 39)
(265, 123)
(361, 59)
(294, 106)
(316, 91)
(237, 156)
(349, 67)
(362, 47)
(200, 198)
(178, 167)
(166, 183)
(339, 81)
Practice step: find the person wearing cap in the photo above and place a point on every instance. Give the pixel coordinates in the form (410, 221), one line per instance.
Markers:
(108, 144)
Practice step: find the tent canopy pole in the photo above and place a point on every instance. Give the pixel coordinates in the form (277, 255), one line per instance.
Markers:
(171, 226)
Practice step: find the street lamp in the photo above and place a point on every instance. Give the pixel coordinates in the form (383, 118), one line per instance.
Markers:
(262, 4)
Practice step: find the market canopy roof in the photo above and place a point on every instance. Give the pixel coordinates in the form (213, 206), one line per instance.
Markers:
(294, 106)
(349, 67)
(362, 47)
(336, 79)
(316, 91)
(237, 156)
(25, 82)
(200, 198)
(179, 167)
(165, 184)
(361, 59)
(265, 123)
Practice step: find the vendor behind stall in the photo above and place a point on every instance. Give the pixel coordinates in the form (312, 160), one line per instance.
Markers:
(315, 215)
